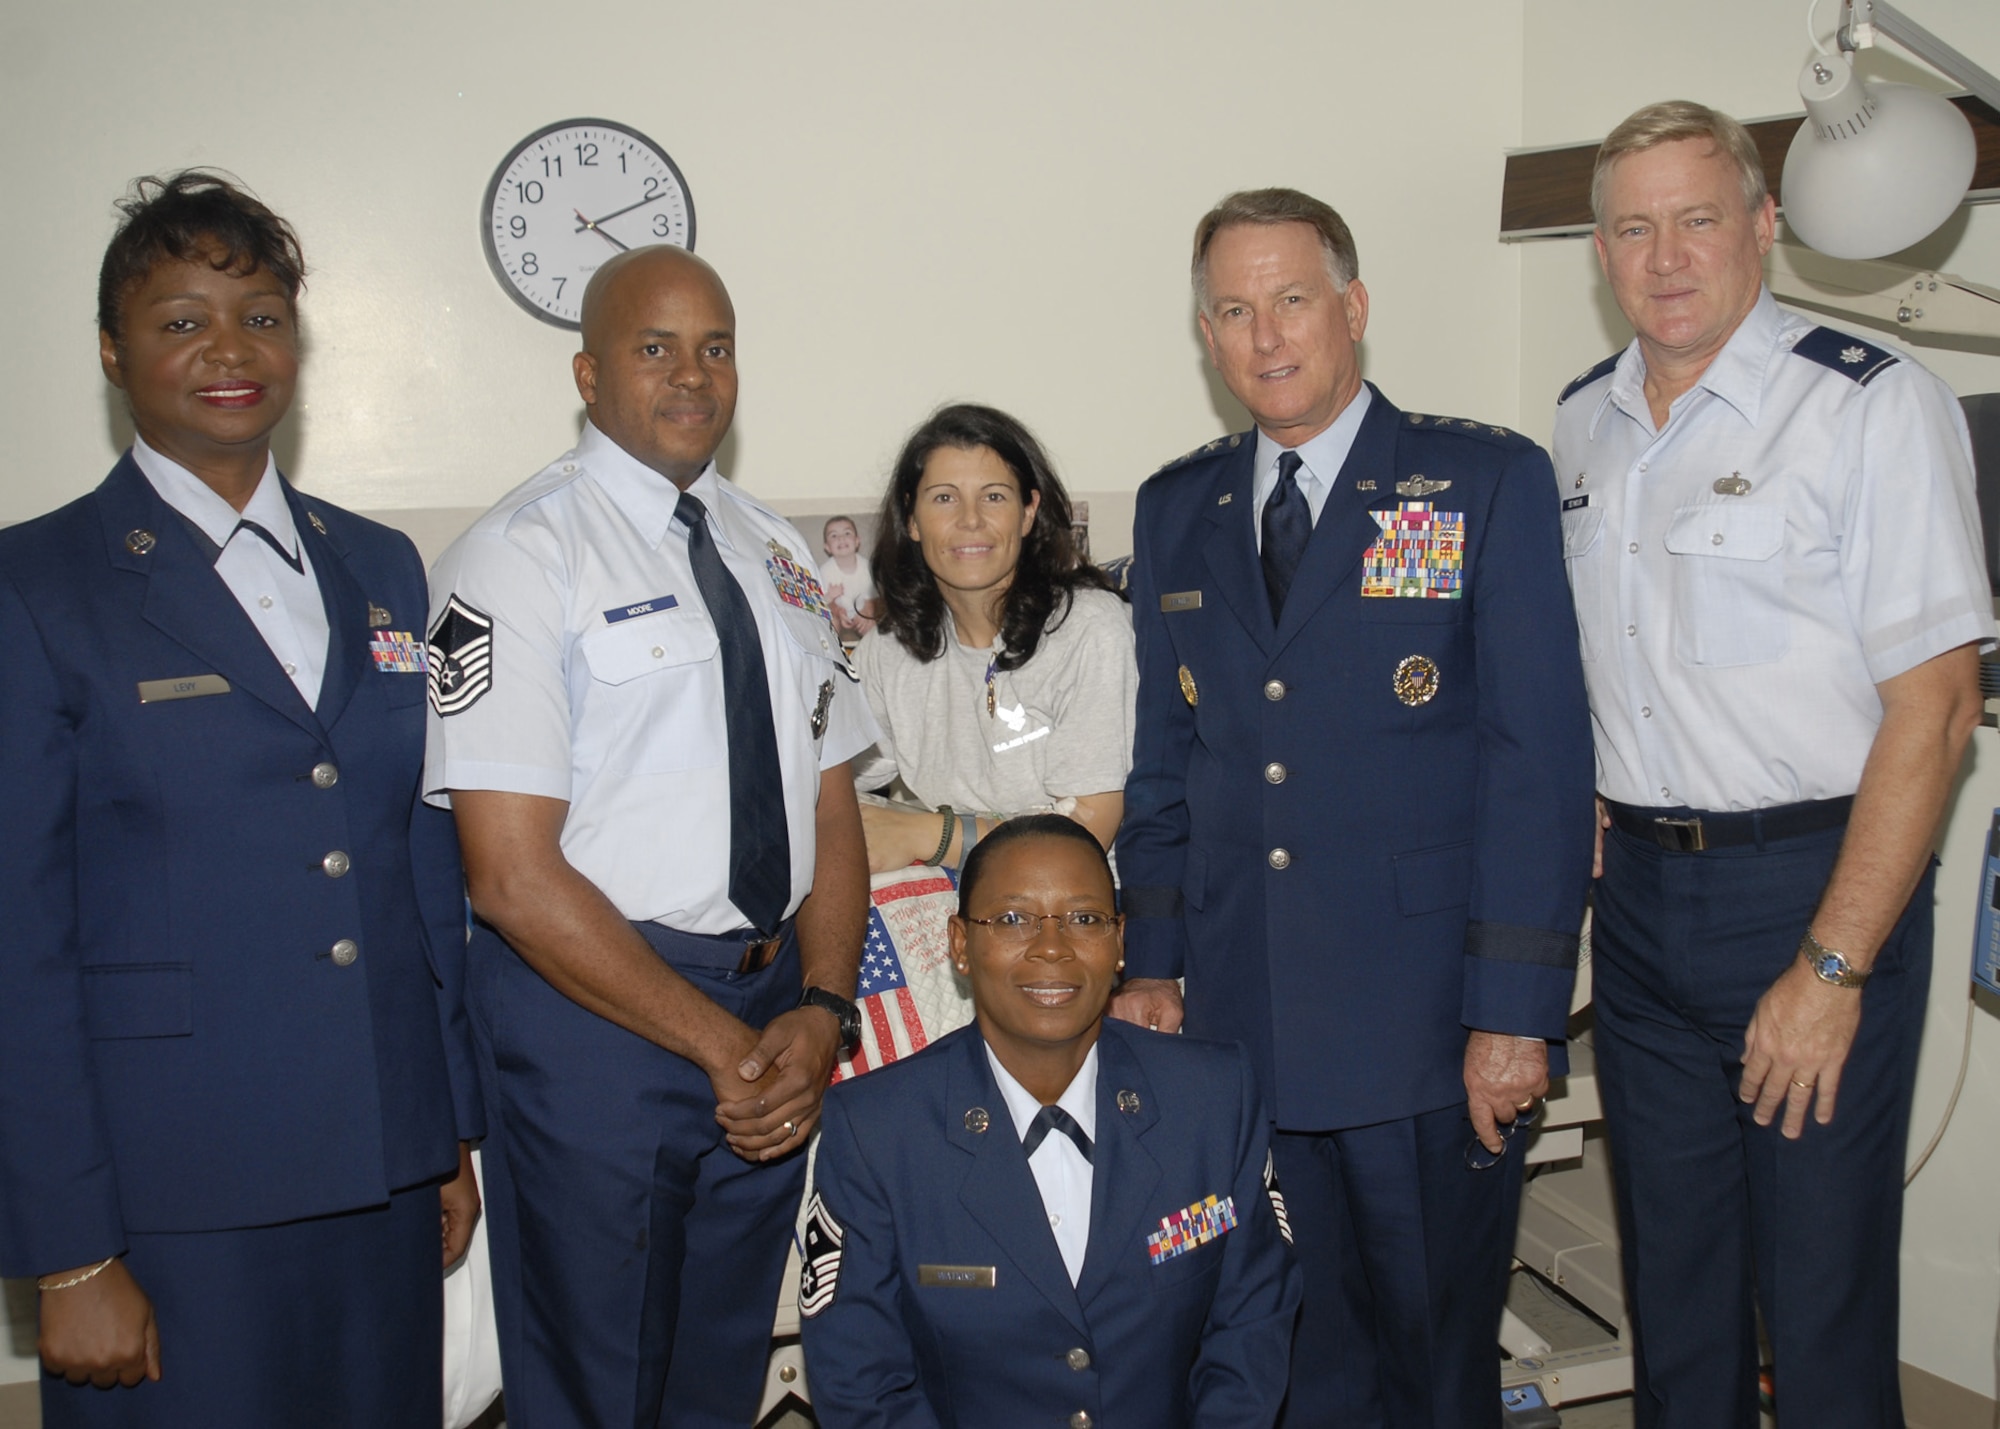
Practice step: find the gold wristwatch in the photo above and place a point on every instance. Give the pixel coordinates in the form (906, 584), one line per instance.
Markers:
(1827, 965)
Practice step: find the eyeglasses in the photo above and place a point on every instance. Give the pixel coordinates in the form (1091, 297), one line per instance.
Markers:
(1079, 925)
(1478, 1158)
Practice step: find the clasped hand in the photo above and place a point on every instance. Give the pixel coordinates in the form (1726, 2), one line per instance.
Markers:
(768, 1099)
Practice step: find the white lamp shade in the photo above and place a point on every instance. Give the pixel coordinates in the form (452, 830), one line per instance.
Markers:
(1876, 166)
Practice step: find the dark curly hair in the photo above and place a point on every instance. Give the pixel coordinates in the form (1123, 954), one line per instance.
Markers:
(195, 215)
(1049, 572)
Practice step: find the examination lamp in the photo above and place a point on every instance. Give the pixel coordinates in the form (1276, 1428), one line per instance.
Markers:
(1878, 166)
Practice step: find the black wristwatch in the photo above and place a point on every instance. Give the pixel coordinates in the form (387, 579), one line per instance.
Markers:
(848, 1015)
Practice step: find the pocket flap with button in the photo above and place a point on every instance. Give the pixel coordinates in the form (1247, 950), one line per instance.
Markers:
(631, 648)
(1582, 530)
(1739, 533)
(812, 633)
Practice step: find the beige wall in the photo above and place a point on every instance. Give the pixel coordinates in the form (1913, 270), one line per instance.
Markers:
(1586, 69)
(912, 201)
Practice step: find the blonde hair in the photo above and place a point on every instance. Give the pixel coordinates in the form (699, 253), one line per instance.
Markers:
(1669, 122)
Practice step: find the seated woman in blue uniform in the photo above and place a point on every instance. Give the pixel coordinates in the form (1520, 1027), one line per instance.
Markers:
(1047, 1218)
(234, 1064)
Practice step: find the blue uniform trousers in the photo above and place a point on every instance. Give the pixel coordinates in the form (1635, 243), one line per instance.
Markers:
(1405, 1251)
(636, 1258)
(1718, 1216)
(331, 1323)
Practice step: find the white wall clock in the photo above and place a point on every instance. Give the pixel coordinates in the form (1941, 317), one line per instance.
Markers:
(570, 196)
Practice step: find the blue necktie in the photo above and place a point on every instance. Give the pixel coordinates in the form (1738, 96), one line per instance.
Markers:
(1288, 525)
(760, 843)
(1054, 1118)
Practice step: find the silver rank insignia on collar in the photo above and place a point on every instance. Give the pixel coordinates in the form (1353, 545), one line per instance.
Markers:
(377, 616)
(318, 525)
(1364, 486)
(820, 708)
(1420, 485)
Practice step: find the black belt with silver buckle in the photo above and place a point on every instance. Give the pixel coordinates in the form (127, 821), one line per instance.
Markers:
(1693, 831)
(758, 956)
(746, 951)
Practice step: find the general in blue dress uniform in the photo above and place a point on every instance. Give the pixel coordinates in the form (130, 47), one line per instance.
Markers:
(1047, 1218)
(234, 1062)
(1358, 819)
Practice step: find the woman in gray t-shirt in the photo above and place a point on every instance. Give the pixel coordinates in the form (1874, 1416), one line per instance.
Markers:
(1002, 673)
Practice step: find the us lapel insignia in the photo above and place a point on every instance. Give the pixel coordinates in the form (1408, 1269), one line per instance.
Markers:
(1364, 486)
(1188, 691)
(318, 525)
(1421, 485)
(1183, 1231)
(1225, 498)
(1128, 1102)
(139, 542)
(1416, 679)
(378, 616)
(976, 1120)
(1732, 485)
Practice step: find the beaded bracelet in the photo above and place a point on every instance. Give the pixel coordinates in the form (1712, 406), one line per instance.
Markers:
(944, 839)
(74, 1280)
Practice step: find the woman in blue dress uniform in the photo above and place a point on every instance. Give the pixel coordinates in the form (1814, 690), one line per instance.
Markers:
(234, 1071)
(1047, 1218)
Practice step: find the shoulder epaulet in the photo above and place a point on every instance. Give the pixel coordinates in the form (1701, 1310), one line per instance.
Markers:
(1845, 354)
(1206, 449)
(1583, 380)
(1461, 426)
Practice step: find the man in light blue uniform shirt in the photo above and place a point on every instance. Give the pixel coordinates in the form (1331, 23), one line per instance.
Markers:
(642, 720)
(1773, 543)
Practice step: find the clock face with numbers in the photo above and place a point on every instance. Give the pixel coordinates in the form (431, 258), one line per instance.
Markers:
(570, 196)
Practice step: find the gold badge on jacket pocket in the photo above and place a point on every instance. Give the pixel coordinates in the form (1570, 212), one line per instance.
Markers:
(184, 687)
(1188, 691)
(1416, 679)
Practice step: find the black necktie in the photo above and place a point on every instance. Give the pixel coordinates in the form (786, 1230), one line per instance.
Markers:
(290, 558)
(1054, 1118)
(760, 844)
(1288, 525)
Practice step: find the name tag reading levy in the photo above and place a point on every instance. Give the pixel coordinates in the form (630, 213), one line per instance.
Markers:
(186, 687)
(956, 1277)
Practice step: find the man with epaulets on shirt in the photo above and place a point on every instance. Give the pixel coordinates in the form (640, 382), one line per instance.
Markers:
(1771, 533)
(642, 720)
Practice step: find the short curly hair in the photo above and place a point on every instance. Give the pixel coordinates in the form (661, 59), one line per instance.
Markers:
(194, 215)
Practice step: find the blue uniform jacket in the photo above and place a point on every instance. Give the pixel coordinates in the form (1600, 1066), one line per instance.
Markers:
(1350, 875)
(905, 1182)
(180, 1047)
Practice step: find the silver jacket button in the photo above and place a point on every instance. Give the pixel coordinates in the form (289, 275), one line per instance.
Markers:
(345, 952)
(1274, 773)
(1274, 689)
(1279, 858)
(336, 864)
(325, 776)
(1078, 1358)
(1081, 1420)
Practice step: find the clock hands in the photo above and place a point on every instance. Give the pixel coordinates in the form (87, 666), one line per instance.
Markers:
(593, 222)
(583, 223)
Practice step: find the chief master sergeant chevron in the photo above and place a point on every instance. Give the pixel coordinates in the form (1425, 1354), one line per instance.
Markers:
(643, 720)
(1772, 536)
(1358, 819)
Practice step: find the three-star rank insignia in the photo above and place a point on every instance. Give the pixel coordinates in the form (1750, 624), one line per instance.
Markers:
(461, 663)
(819, 1265)
(1188, 690)
(1416, 679)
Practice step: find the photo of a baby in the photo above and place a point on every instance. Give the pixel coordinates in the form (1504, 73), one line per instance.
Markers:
(847, 580)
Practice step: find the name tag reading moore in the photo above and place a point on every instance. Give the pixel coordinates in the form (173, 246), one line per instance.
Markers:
(956, 1277)
(186, 687)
